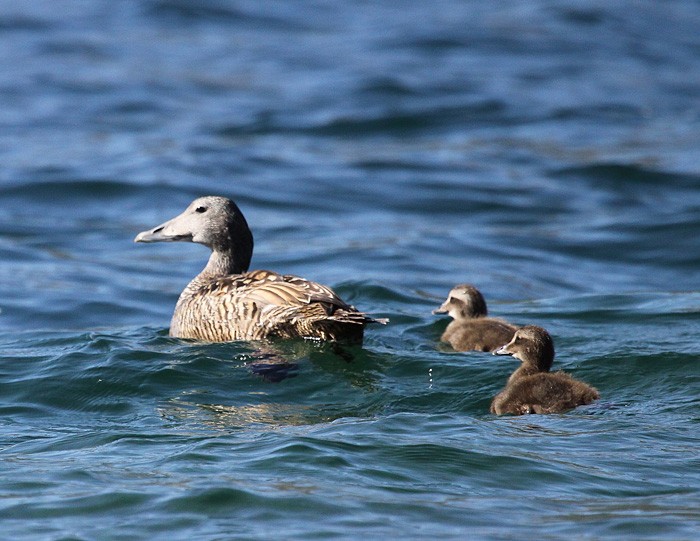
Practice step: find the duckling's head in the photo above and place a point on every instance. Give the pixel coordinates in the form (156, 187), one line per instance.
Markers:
(532, 345)
(464, 301)
(214, 221)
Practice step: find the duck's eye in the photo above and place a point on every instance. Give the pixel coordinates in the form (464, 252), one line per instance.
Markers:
(200, 210)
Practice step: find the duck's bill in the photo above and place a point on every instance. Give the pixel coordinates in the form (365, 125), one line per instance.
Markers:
(503, 350)
(167, 232)
(440, 310)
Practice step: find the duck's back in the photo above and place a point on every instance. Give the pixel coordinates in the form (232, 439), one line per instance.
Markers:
(480, 334)
(263, 304)
(546, 392)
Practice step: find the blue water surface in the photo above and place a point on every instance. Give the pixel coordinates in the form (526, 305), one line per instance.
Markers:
(546, 152)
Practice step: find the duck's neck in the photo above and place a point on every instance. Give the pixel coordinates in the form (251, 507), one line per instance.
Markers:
(222, 263)
(231, 254)
(525, 369)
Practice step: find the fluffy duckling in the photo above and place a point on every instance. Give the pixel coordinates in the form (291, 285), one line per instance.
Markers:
(532, 388)
(225, 302)
(470, 328)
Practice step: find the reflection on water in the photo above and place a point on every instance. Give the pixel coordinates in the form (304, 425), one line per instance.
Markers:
(227, 417)
(276, 383)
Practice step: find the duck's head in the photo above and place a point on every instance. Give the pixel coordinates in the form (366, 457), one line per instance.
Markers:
(464, 301)
(532, 345)
(214, 221)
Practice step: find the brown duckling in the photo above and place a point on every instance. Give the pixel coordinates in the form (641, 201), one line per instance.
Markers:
(471, 328)
(226, 302)
(532, 388)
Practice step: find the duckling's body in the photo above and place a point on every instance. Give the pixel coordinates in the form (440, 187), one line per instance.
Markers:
(479, 334)
(532, 388)
(471, 328)
(224, 302)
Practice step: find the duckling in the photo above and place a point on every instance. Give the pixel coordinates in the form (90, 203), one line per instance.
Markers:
(471, 329)
(532, 388)
(225, 302)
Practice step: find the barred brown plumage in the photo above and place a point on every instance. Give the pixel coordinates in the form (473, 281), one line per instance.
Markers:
(224, 302)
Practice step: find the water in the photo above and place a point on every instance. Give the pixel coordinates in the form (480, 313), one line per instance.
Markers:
(546, 152)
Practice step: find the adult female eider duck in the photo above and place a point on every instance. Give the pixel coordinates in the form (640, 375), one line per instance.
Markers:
(471, 328)
(225, 302)
(532, 388)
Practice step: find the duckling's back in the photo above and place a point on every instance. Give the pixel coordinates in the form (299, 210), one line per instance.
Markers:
(479, 334)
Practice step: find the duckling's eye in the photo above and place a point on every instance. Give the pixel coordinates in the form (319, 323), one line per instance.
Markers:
(200, 210)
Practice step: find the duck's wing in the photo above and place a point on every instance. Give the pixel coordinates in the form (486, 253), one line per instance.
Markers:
(287, 305)
(269, 289)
